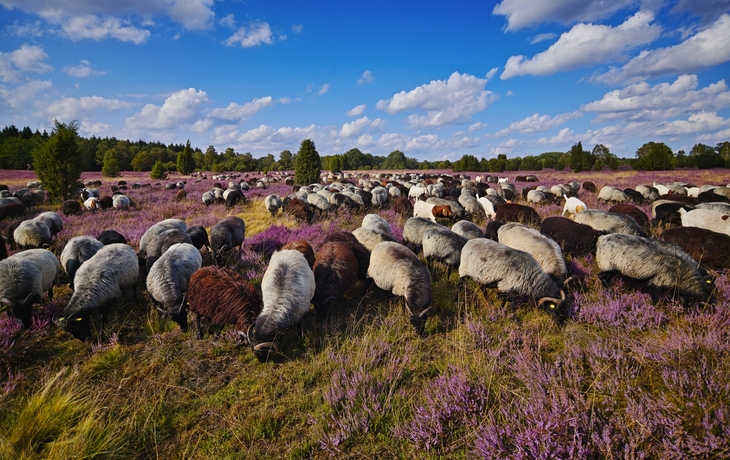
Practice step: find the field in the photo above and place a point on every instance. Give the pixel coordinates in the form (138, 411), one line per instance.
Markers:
(623, 378)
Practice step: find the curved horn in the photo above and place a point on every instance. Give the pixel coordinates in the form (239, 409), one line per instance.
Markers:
(424, 312)
(549, 299)
(266, 346)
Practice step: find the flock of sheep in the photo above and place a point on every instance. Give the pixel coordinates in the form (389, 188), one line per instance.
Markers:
(519, 253)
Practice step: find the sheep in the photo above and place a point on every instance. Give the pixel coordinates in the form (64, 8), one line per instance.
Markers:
(319, 202)
(233, 197)
(443, 245)
(52, 220)
(33, 198)
(513, 212)
(703, 218)
(648, 192)
(167, 280)
(612, 194)
(457, 210)
(513, 271)
(573, 205)
(106, 202)
(369, 237)
(111, 236)
(24, 277)
(32, 234)
(155, 230)
(162, 242)
(208, 198)
(11, 210)
(272, 203)
(467, 229)
(415, 227)
(287, 289)
(77, 251)
(575, 239)
(299, 209)
(92, 203)
(121, 202)
(609, 222)
(303, 247)
(98, 283)
(545, 250)
(70, 207)
(198, 236)
(402, 205)
(335, 271)
(632, 211)
(377, 223)
(488, 207)
(711, 249)
(657, 266)
(719, 207)
(634, 195)
(227, 235)
(87, 193)
(396, 269)
(361, 252)
(380, 196)
(224, 296)
(667, 212)
(430, 211)
(712, 197)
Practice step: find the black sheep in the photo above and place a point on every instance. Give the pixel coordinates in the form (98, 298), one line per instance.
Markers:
(575, 239)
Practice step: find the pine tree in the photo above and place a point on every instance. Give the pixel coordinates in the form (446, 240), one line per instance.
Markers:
(308, 165)
(185, 160)
(59, 161)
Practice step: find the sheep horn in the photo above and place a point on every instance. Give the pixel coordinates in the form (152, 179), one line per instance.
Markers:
(424, 312)
(266, 345)
(549, 299)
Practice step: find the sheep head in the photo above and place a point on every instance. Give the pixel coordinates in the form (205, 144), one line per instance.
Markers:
(21, 310)
(78, 325)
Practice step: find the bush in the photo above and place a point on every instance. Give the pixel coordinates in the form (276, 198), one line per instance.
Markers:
(59, 162)
(308, 164)
(158, 171)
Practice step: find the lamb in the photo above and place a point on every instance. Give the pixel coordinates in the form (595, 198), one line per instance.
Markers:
(612, 195)
(513, 271)
(155, 230)
(52, 220)
(77, 251)
(709, 248)
(414, 229)
(396, 269)
(573, 205)
(24, 277)
(227, 235)
(512, 212)
(377, 223)
(703, 218)
(335, 271)
(303, 247)
(545, 250)
(575, 239)
(99, 282)
(162, 242)
(167, 280)
(467, 229)
(655, 265)
(609, 222)
(287, 289)
(443, 245)
(32, 234)
(223, 296)
(111, 236)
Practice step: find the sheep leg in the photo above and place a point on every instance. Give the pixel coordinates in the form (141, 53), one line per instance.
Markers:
(50, 293)
(607, 277)
(200, 331)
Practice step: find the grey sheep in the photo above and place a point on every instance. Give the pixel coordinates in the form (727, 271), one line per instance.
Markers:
(24, 277)
(155, 230)
(99, 282)
(167, 281)
(396, 269)
(52, 220)
(546, 251)
(319, 202)
(514, 272)
(370, 238)
(377, 223)
(467, 229)
(661, 266)
(287, 290)
(77, 251)
(32, 234)
(162, 242)
(610, 222)
(380, 196)
(443, 245)
(208, 198)
(612, 194)
(456, 208)
(415, 227)
(227, 234)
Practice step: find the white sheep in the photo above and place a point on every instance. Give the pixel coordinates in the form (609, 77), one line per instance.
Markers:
(546, 252)
(370, 237)
(610, 222)
(612, 195)
(32, 234)
(272, 203)
(376, 222)
(168, 279)
(52, 220)
(24, 277)
(415, 227)
(706, 218)
(467, 229)
(77, 251)
(443, 245)
(155, 230)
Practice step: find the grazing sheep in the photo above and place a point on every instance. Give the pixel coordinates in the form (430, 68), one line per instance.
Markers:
(167, 280)
(648, 192)
(492, 229)
(634, 195)
(361, 252)
(11, 210)
(711, 197)
(335, 271)
(32, 234)
(719, 207)
(514, 272)
(224, 296)
(575, 239)
(402, 205)
(108, 237)
(573, 206)
(227, 235)
(659, 267)
(208, 198)
(24, 277)
(703, 218)
(92, 203)
(467, 229)
(545, 250)
(414, 229)
(299, 209)
(272, 203)
(287, 290)
(711, 249)
(106, 202)
(667, 212)
(380, 196)
(431, 211)
(162, 242)
(181, 195)
(457, 211)
(609, 222)
(370, 238)
(589, 187)
(488, 207)
(513, 212)
(77, 251)
(99, 283)
(304, 247)
(632, 211)
(121, 202)
(377, 223)
(612, 195)
(155, 230)
(443, 245)
(52, 220)
(233, 197)
(319, 202)
(198, 236)
(396, 269)
(70, 207)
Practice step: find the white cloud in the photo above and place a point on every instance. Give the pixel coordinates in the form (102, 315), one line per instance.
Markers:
(354, 128)
(445, 102)
(266, 137)
(565, 136)
(367, 77)
(702, 122)
(70, 108)
(528, 13)
(235, 112)
(297, 28)
(705, 49)
(94, 129)
(708, 11)
(181, 107)
(257, 33)
(586, 45)
(492, 72)
(228, 21)
(537, 123)
(23, 96)
(193, 14)
(642, 102)
(542, 37)
(477, 126)
(27, 58)
(378, 124)
(96, 28)
(356, 111)
(323, 89)
(82, 70)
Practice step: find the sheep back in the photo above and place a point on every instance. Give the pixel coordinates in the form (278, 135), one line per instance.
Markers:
(335, 271)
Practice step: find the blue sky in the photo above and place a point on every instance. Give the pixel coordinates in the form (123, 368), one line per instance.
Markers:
(436, 80)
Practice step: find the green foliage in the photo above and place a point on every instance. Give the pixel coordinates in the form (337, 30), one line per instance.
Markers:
(111, 164)
(723, 149)
(286, 160)
(158, 171)
(185, 161)
(581, 160)
(354, 159)
(59, 162)
(654, 156)
(308, 165)
(396, 160)
(466, 163)
(531, 163)
(334, 163)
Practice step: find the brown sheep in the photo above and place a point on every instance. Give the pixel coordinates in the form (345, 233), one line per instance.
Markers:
(589, 187)
(335, 271)
(70, 207)
(630, 210)
(575, 239)
(299, 209)
(709, 248)
(303, 247)
(222, 295)
(181, 195)
(361, 252)
(11, 210)
(106, 202)
(512, 212)
(403, 206)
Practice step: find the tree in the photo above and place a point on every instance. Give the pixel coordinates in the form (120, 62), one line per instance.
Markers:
(353, 159)
(285, 159)
(654, 156)
(111, 164)
(335, 163)
(209, 158)
(308, 165)
(580, 160)
(59, 162)
(466, 163)
(185, 160)
(701, 149)
(158, 171)
(396, 160)
(723, 149)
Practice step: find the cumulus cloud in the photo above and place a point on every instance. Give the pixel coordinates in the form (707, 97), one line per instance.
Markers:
(71, 108)
(323, 89)
(22, 96)
(180, 108)
(94, 129)
(528, 13)
(27, 58)
(236, 112)
(701, 122)
(538, 123)
(266, 137)
(256, 34)
(565, 136)
(367, 77)
(96, 28)
(354, 128)
(82, 70)
(642, 102)
(705, 49)
(585, 45)
(356, 111)
(445, 102)
(476, 126)
(228, 21)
